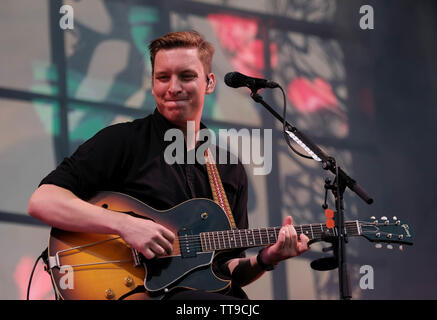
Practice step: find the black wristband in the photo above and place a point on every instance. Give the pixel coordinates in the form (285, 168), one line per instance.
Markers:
(266, 267)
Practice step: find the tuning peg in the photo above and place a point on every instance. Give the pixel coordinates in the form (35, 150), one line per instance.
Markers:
(378, 246)
(383, 218)
(401, 248)
(395, 218)
(389, 246)
(372, 218)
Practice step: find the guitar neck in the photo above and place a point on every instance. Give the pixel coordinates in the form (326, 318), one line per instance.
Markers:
(246, 238)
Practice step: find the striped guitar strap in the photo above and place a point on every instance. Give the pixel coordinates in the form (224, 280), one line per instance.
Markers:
(218, 192)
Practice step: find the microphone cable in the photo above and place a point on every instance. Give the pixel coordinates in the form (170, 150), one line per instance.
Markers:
(284, 126)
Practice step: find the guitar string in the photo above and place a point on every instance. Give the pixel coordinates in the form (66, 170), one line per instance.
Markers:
(221, 245)
(316, 229)
(242, 238)
(263, 234)
(221, 241)
(213, 237)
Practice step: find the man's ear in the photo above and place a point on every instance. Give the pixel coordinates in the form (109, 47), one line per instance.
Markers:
(210, 84)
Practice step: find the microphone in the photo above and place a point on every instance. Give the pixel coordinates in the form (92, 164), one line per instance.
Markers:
(237, 80)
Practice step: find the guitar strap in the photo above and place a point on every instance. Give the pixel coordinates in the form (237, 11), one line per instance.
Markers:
(218, 192)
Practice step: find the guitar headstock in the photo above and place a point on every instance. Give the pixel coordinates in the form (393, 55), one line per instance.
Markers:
(387, 231)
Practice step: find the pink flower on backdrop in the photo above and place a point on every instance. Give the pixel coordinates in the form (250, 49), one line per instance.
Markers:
(238, 36)
(250, 60)
(309, 97)
(233, 32)
(41, 287)
(314, 96)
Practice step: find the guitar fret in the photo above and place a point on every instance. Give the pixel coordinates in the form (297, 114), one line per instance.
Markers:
(264, 236)
(259, 235)
(224, 241)
(247, 238)
(318, 230)
(273, 235)
(307, 231)
(302, 227)
(269, 236)
(216, 240)
(229, 240)
(201, 242)
(241, 239)
(312, 233)
(248, 234)
(217, 235)
(204, 241)
(210, 244)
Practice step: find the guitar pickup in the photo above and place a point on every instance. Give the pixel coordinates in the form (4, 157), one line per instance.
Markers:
(188, 243)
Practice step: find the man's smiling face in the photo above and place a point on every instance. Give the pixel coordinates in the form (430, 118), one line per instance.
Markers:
(179, 85)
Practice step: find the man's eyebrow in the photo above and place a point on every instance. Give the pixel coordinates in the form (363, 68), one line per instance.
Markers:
(188, 70)
(160, 72)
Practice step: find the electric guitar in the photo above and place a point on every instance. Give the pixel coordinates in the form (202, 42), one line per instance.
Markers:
(98, 266)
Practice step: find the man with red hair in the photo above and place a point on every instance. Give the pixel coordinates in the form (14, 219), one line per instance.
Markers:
(129, 158)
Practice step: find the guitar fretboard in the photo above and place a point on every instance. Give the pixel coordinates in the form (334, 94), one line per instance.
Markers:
(246, 238)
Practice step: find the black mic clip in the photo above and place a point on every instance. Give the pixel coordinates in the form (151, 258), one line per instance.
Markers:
(326, 263)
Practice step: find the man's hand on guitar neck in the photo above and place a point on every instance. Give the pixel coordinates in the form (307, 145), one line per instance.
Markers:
(287, 246)
(246, 270)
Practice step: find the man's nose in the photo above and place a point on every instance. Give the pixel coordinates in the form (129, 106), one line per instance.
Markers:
(174, 86)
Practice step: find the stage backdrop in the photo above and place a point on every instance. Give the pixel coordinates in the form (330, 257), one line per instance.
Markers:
(359, 78)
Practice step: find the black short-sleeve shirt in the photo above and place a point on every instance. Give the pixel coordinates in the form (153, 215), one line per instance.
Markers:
(129, 158)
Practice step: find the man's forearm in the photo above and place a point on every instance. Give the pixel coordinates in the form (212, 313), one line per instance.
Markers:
(60, 208)
(244, 270)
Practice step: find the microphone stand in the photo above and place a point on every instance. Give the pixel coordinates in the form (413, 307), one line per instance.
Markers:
(342, 180)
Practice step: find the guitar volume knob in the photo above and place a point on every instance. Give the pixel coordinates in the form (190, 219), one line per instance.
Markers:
(109, 294)
(128, 281)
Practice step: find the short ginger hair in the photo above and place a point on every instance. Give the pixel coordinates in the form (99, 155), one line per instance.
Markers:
(184, 39)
